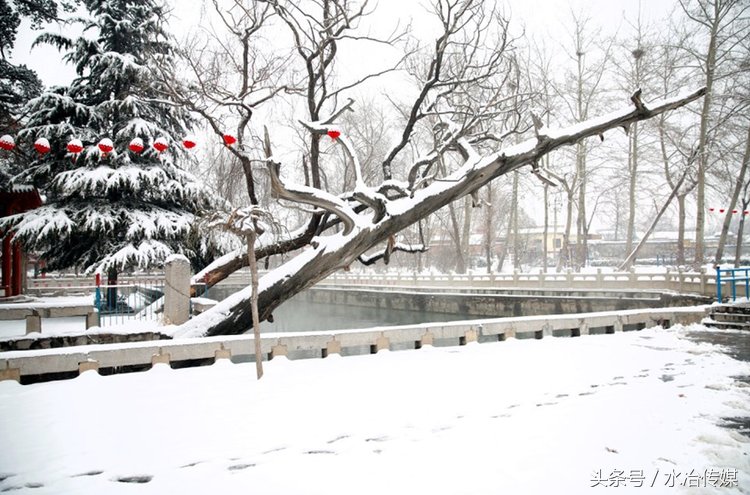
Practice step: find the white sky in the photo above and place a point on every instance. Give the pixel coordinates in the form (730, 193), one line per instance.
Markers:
(544, 19)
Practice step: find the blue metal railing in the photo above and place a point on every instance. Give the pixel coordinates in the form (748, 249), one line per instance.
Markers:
(732, 276)
(123, 303)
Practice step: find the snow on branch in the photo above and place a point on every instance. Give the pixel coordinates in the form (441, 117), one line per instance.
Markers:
(391, 247)
(311, 196)
(362, 193)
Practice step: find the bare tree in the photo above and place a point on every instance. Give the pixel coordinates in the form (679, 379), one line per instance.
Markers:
(590, 55)
(723, 24)
(363, 230)
(466, 97)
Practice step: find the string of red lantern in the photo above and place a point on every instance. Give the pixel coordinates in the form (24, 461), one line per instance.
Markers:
(724, 210)
(161, 144)
(41, 145)
(7, 143)
(75, 146)
(106, 146)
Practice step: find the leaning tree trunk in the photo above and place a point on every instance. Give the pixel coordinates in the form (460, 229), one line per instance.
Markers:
(631, 258)
(328, 254)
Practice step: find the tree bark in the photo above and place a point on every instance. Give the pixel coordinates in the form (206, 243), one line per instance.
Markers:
(739, 184)
(740, 233)
(564, 258)
(633, 171)
(460, 265)
(703, 142)
(681, 215)
(514, 223)
(252, 261)
(489, 236)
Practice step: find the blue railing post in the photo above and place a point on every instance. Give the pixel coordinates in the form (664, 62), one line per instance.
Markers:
(718, 283)
(98, 296)
(734, 285)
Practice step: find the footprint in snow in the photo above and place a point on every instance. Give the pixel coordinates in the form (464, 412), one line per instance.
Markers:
(277, 449)
(496, 416)
(138, 479)
(27, 485)
(87, 473)
(342, 437)
(240, 467)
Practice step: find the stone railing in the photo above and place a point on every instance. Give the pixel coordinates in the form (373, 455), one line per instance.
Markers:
(702, 283)
(46, 364)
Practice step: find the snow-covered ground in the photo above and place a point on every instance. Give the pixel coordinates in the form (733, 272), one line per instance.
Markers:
(559, 415)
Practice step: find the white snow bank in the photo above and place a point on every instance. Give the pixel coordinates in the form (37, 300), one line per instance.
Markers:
(521, 416)
(51, 302)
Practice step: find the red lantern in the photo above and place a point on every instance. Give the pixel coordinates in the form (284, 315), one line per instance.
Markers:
(734, 211)
(189, 142)
(136, 145)
(333, 134)
(75, 146)
(745, 212)
(161, 144)
(105, 145)
(229, 140)
(41, 145)
(7, 143)
(711, 209)
(722, 210)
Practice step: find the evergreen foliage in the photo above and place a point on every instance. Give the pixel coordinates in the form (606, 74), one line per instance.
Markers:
(109, 211)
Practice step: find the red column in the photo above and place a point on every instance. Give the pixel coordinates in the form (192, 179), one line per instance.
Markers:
(6, 264)
(17, 275)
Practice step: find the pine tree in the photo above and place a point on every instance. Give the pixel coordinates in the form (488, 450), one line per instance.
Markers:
(107, 211)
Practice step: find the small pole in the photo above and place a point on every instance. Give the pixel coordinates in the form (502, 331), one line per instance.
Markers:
(734, 285)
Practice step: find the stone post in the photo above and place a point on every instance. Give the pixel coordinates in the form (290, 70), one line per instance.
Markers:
(176, 290)
(92, 319)
(10, 373)
(33, 323)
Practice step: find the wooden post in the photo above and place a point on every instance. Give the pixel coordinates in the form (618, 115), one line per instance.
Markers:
(15, 277)
(6, 270)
